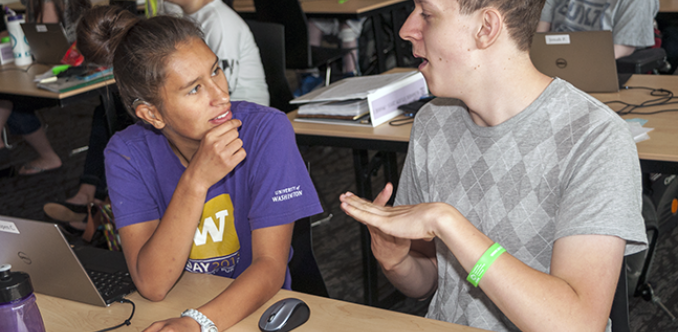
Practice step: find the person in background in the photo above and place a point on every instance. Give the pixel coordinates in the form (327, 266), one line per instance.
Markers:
(631, 21)
(201, 184)
(20, 117)
(520, 194)
(348, 32)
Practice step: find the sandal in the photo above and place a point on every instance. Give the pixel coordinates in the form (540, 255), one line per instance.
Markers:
(36, 170)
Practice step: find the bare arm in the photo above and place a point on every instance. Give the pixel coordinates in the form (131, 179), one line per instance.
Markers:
(576, 296)
(623, 50)
(156, 251)
(49, 14)
(256, 285)
(543, 26)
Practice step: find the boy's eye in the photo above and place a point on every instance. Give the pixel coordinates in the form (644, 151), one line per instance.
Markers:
(216, 71)
(195, 90)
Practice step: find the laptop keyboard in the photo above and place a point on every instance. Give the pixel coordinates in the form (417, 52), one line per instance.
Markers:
(111, 286)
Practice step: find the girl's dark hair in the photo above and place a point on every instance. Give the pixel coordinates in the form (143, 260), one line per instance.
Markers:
(137, 48)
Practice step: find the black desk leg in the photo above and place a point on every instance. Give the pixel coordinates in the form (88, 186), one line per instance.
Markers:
(363, 182)
(379, 37)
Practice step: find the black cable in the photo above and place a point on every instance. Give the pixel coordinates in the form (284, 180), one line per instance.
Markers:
(127, 322)
(665, 97)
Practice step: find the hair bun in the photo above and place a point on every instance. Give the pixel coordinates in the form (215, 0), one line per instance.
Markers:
(100, 31)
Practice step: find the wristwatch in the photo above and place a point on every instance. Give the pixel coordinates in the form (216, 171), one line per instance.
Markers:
(206, 325)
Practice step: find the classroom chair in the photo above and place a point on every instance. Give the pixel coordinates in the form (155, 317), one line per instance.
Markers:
(299, 54)
(270, 38)
(306, 276)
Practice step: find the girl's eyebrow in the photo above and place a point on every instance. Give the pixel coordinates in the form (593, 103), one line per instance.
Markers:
(189, 84)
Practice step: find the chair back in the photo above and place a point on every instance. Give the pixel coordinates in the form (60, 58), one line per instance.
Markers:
(289, 14)
(270, 38)
(306, 277)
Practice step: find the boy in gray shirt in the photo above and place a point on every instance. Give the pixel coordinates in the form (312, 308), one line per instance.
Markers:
(511, 161)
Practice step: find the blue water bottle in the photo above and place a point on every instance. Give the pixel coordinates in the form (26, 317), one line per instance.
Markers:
(18, 310)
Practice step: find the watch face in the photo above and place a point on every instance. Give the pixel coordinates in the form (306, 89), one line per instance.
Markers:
(212, 328)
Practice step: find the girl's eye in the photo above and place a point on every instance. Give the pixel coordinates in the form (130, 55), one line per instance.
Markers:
(216, 71)
(195, 90)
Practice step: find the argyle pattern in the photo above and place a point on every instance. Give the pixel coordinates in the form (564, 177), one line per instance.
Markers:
(522, 183)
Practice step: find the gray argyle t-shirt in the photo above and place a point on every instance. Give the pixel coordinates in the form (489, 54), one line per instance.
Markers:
(631, 21)
(566, 165)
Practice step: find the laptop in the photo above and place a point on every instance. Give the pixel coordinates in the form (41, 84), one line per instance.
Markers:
(58, 269)
(47, 41)
(583, 58)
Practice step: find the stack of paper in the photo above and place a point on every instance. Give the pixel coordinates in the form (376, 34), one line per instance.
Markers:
(342, 109)
(355, 97)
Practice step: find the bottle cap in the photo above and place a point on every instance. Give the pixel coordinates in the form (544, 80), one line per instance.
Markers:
(14, 18)
(13, 285)
(4, 40)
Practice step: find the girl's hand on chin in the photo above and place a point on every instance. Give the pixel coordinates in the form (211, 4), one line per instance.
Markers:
(219, 153)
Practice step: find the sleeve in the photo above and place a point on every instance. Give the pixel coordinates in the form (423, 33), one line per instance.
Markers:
(547, 12)
(251, 85)
(232, 41)
(131, 199)
(634, 23)
(282, 190)
(602, 193)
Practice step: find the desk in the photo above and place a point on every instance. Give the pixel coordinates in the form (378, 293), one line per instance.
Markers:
(659, 154)
(352, 9)
(668, 6)
(193, 290)
(17, 85)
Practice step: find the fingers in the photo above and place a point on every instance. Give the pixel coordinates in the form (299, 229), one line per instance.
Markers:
(384, 196)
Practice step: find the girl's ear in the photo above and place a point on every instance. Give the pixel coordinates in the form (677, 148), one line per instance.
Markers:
(149, 113)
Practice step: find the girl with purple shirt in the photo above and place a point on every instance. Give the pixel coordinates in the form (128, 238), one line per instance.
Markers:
(203, 184)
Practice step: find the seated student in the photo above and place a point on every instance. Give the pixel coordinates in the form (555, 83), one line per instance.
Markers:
(20, 116)
(231, 39)
(631, 21)
(204, 184)
(519, 159)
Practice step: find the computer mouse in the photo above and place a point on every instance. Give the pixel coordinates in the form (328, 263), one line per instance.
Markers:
(284, 315)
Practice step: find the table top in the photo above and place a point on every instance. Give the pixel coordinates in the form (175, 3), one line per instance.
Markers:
(326, 6)
(663, 142)
(662, 145)
(17, 81)
(668, 6)
(193, 290)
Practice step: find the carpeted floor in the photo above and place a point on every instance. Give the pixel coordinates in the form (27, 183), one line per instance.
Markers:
(336, 241)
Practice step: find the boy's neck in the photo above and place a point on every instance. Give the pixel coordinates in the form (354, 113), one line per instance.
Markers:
(505, 89)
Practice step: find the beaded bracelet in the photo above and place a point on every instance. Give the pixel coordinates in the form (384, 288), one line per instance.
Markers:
(484, 263)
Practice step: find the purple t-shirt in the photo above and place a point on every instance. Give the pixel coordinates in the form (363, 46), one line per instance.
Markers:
(270, 187)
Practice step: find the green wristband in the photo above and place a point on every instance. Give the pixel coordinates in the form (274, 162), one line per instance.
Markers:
(484, 263)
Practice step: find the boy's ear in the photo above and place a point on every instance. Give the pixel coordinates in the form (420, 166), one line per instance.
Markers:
(150, 114)
(492, 24)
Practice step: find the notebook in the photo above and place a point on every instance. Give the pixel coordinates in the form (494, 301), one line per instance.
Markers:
(55, 268)
(47, 41)
(583, 58)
